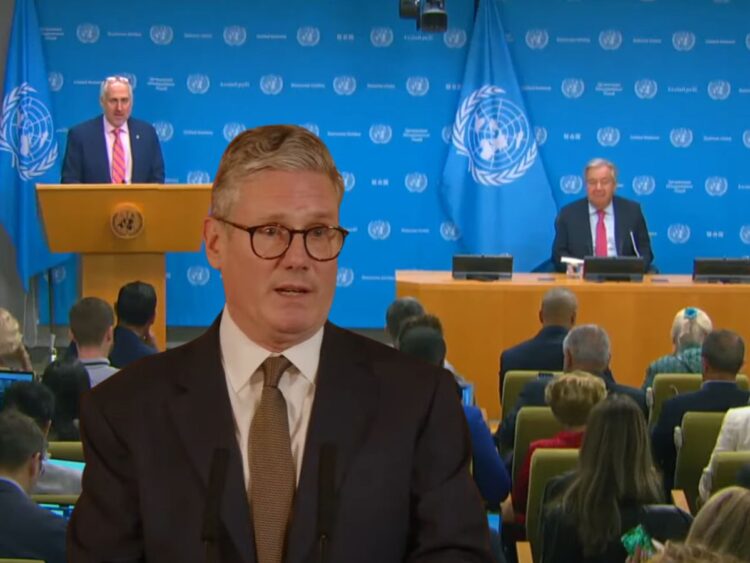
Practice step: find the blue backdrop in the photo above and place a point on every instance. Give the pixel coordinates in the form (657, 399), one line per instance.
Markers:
(661, 90)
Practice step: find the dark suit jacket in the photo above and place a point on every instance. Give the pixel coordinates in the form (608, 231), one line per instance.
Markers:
(543, 352)
(573, 232)
(28, 531)
(128, 347)
(532, 395)
(713, 396)
(86, 159)
(403, 488)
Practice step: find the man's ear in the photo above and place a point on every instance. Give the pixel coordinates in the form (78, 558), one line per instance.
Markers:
(214, 238)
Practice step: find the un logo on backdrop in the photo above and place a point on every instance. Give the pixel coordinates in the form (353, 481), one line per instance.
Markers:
(379, 230)
(683, 40)
(161, 34)
(164, 130)
(87, 33)
(417, 85)
(344, 277)
(573, 88)
(235, 35)
(646, 88)
(745, 234)
(678, 233)
(198, 177)
(381, 134)
(608, 136)
(308, 36)
(644, 185)
(571, 184)
(495, 135)
(350, 180)
(719, 90)
(746, 138)
(344, 85)
(381, 36)
(446, 133)
(540, 134)
(747, 41)
(132, 78)
(416, 182)
(198, 83)
(716, 186)
(610, 39)
(232, 129)
(271, 84)
(449, 231)
(537, 39)
(681, 138)
(26, 132)
(198, 276)
(314, 129)
(56, 81)
(454, 38)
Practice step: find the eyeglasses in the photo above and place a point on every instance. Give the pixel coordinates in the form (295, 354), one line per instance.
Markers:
(322, 242)
(111, 79)
(604, 182)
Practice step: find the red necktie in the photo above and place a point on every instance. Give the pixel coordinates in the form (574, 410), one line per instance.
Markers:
(600, 247)
(118, 159)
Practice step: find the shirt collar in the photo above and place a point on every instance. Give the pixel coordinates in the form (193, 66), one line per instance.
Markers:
(242, 357)
(108, 127)
(609, 210)
(95, 361)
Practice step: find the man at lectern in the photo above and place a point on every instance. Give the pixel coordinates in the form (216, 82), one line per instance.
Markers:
(602, 224)
(113, 148)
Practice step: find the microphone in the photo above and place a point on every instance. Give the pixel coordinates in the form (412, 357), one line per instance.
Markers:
(216, 478)
(635, 246)
(326, 498)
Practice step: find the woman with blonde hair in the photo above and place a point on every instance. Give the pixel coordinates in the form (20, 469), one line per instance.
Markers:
(723, 524)
(13, 353)
(689, 328)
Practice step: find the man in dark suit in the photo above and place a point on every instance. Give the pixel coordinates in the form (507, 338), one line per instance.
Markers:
(544, 352)
(723, 353)
(586, 348)
(337, 448)
(26, 530)
(602, 224)
(113, 147)
(136, 311)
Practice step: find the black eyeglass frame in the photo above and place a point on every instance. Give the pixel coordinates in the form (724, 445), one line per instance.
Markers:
(250, 230)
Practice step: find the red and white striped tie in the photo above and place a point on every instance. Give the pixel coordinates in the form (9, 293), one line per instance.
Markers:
(118, 159)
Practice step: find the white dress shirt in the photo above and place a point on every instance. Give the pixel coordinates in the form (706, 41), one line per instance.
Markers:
(609, 224)
(242, 358)
(734, 436)
(109, 137)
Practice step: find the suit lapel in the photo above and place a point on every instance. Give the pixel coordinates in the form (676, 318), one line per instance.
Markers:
(346, 398)
(620, 234)
(135, 151)
(585, 219)
(202, 414)
(101, 148)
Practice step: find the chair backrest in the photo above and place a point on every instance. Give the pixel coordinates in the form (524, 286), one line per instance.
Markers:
(532, 423)
(545, 464)
(513, 383)
(742, 381)
(728, 465)
(698, 435)
(667, 385)
(72, 451)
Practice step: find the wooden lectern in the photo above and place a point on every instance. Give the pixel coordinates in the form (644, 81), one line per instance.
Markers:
(122, 233)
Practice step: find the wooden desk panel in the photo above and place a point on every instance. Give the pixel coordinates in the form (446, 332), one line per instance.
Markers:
(482, 318)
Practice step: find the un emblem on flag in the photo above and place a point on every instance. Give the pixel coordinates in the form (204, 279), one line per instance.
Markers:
(56, 81)
(27, 133)
(495, 135)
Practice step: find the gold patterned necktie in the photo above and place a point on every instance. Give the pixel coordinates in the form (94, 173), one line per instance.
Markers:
(272, 473)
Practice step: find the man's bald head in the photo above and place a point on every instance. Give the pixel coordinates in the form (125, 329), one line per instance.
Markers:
(559, 307)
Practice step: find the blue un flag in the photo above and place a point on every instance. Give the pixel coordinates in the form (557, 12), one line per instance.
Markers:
(494, 185)
(28, 148)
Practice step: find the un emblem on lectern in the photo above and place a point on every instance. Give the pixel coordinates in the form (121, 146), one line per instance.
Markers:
(126, 221)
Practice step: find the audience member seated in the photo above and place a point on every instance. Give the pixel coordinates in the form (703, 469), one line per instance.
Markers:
(689, 329)
(13, 354)
(91, 328)
(723, 524)
(397, 312)
(723, 353)
(490, 475)
(136, 311)
(26, 530)
(36, 401)
(585, 348)
(571, 397)
(734, 436)
(610, 491)
(544, 351)
(67, 381)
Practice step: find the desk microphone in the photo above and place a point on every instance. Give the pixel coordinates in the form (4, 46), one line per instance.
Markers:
(216, 478)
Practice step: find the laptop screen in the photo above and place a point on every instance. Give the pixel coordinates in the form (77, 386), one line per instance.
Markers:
(79, 465)
(62, 510)
(467, 395)
(8, 378)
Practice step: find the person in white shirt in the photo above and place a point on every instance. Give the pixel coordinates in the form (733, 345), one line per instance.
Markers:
(734, 436)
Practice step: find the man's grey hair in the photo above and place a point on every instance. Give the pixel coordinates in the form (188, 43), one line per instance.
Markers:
(114, 80)
(596, 163)
(588, 345)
